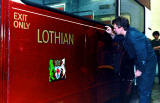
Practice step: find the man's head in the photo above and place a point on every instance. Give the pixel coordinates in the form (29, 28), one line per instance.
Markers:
(155, 35)
(120, 25)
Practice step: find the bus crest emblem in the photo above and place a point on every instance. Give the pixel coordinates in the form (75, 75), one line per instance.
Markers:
(57, 70)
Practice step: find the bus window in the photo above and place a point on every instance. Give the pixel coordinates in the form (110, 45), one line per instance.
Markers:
(99, 10)
(134, 12)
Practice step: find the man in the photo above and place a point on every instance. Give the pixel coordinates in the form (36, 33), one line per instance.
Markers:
(140, 49)
(156, 46)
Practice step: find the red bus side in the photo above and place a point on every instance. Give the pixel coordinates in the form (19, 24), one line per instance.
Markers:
(35, 36)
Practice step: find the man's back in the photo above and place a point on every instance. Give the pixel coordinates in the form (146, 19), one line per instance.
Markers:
(138, 47)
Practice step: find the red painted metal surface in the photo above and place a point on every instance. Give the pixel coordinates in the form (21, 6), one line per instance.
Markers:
(4, 51)
(33, 36)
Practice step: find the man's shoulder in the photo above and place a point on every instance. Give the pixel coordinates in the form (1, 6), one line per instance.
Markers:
(155, 40)
(132, 29)
(133, 32)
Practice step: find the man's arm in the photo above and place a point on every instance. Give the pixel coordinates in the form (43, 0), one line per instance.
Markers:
(156, 48)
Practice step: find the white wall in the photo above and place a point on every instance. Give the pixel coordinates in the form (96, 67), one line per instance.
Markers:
(155, 15)
(148, 31)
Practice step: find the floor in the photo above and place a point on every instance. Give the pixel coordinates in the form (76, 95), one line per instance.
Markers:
(156, 91)
(155, 98)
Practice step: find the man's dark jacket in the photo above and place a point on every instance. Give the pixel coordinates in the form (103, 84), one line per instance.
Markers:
(139, 48)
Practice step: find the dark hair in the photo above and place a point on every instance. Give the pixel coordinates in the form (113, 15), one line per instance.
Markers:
(121, 22)
(155, 33)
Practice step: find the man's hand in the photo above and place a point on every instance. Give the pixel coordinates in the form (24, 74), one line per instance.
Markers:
(109, 31)
(138, 73)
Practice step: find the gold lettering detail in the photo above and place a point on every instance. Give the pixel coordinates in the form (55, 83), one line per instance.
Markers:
(51, 35)
(38, 37)
(43, 36)
(15, 24)
(48, 36)
(20, 21)
(62, 38)
(65, 39)
(71, 39)
(57, 37)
